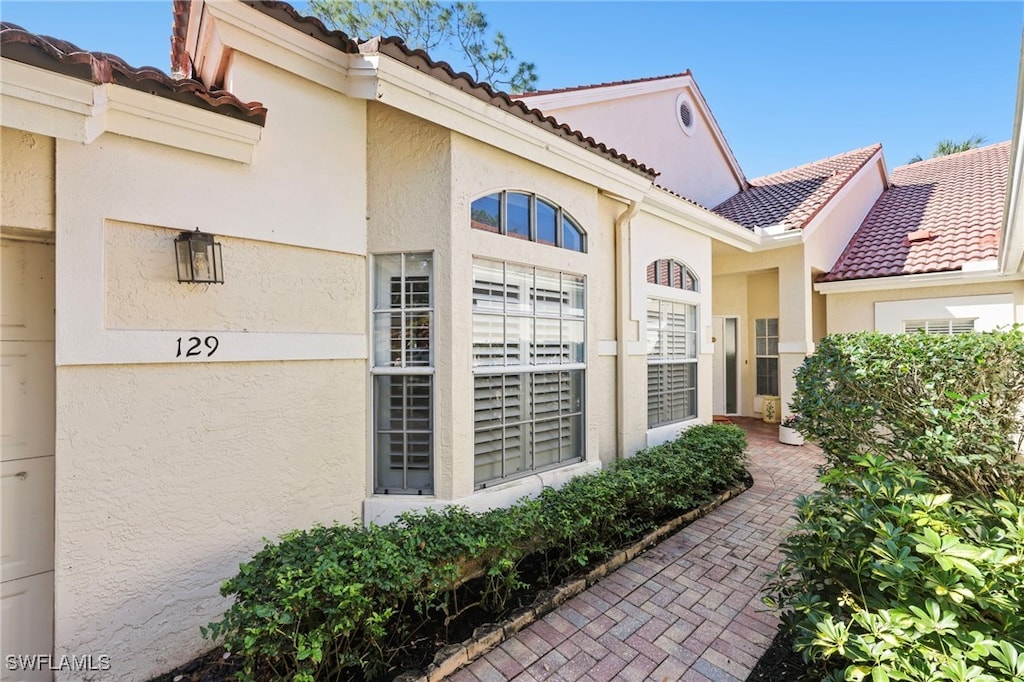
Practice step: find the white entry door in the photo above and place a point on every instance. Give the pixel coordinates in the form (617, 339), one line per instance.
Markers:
(725, 365)
(26, 453)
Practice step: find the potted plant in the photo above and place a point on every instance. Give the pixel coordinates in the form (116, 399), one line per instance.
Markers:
(788, 433)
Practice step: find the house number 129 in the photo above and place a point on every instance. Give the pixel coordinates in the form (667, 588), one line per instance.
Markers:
(194, 345)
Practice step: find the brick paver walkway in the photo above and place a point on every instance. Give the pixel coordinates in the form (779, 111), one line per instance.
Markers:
(687, 609)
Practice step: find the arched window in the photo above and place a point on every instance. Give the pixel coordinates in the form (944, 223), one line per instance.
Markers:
(527, 216)
(671, 273)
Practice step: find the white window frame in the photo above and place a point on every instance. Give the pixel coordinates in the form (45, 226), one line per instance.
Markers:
(561, 218)
(401, 367)
(527, 369)
(758, 355)
(661, 353)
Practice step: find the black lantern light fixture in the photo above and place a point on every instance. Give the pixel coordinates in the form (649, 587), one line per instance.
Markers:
(199, 258)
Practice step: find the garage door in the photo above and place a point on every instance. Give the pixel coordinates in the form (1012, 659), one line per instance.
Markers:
(26, 453)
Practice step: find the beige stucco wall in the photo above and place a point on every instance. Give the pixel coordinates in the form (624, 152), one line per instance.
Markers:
(652, 238)
(852, 312)
(27, 180)
(298, 289)
(169, 470)
(644, 127)
(168, 476)
(477, 170)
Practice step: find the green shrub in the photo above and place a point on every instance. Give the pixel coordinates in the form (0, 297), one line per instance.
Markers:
(948, 404)
(326, 602)
(885, 578)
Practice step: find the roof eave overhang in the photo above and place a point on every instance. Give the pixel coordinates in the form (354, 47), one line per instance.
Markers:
(375, 76)
(873, 164)
(1011, 247)
(68, 108)
(663, 203)
(405, 88)
(928, 279)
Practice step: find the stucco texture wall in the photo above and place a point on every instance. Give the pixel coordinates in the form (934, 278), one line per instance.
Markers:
(168, 476)
(27, 179)
(477, 170)
(853, 312)
(297, 289)
(692, 165)
(653, 238)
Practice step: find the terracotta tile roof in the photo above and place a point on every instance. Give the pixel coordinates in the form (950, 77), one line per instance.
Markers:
(418, 59)
(62, 57)
(937, 215)
(592, 86)
(792, 197)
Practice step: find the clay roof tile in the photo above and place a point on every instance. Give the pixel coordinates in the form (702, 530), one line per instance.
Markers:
(957, 200)
(63, 57)
(792, 197)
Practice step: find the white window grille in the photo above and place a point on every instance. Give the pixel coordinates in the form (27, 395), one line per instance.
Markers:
(403, 317)
(529, 358)
(671, 362)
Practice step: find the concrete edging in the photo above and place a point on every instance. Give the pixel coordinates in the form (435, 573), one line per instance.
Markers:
(454, 656)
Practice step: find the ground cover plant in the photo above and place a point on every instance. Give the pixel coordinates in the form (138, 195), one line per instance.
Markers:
(909, 563)
(348, 602)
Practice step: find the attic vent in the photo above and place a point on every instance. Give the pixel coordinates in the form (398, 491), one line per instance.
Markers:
(684, 113)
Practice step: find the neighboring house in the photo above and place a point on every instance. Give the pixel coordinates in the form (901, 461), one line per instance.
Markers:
(431, 293)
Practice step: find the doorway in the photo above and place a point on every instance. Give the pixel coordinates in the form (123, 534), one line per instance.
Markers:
(725, 387)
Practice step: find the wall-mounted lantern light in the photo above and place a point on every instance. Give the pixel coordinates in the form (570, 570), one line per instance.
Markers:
(199, 258)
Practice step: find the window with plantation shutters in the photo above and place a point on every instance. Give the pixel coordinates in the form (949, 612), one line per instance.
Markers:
(403, 374)
(766, 355)
(945, 326)
(671, 362)
(529, 364)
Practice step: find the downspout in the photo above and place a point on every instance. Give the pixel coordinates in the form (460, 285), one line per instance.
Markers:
(622, 258)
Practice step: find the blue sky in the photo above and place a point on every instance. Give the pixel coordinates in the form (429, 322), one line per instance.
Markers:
(788, 82)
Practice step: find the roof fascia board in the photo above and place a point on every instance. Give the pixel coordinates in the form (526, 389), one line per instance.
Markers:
(662, 204)
(157, 119)
(243, 28)
(602, 93)
(719, 136)
(405, 88)
(825, 210)
(1011, 247)
(67, 108)
(928, 279)
(47, 103)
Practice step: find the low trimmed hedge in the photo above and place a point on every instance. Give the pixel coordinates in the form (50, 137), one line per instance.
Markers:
(339, 601)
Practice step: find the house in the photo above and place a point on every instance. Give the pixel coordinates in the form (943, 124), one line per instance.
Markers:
(417, 291)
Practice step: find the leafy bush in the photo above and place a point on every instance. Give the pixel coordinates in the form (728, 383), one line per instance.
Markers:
(331, 602)
(951, 405)
(887, 579)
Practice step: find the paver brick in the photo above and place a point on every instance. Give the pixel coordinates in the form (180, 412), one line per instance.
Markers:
(687, 609)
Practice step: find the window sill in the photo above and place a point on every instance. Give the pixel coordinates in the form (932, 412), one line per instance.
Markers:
(386, 508)
(666, 432)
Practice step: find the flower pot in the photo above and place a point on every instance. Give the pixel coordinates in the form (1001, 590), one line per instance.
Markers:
(790, 436)
(771, 409)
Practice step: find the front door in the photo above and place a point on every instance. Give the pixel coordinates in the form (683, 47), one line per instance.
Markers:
(26, 454)
(725, 365)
